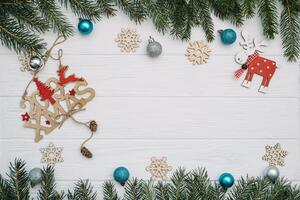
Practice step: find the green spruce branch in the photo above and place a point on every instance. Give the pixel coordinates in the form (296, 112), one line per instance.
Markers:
(183, 185)
(267, 10)
(290, 29)
(22, 21)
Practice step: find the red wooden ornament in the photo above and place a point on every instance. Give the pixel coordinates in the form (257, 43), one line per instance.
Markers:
(72, 92)
(45, 91)
(25, 117)
(260, 66)
(64, 80)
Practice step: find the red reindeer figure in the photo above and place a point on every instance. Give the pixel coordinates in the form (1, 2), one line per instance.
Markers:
(260, 66)
(250, 59)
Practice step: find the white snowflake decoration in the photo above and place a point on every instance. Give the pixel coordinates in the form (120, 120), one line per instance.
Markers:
(198, 52)
(275, 155)
(52, 154)
(24, 60)
(159, 168)
(128, 40)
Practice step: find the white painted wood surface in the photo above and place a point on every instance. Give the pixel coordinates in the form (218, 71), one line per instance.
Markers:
(194, 115)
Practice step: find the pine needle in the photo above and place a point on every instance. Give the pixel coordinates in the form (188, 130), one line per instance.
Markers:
(109, 191)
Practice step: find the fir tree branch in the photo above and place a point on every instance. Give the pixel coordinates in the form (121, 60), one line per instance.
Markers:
(148, 192)
(242, 189)
(267, 10)
(290, 29)
(26, 14)
(248, 7)
(109, 191)
(199, 185)
(48, 186)
(133, 190)
(18, 180)
(18, 38)
(261, 189)
(5, 189)
(133, 8)
(86, 9)
(178, 189)
(162, 191)
(159, 12)
(202, 17)
(106, 7)
(228, 10)
(181, 20)
(83, 191)
(52, 12)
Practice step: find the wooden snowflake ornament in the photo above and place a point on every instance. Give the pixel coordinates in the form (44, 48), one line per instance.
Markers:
(275, 155)
(128, 40)
(51, 154)
(198, 52)
(158, 168)
(47, 108)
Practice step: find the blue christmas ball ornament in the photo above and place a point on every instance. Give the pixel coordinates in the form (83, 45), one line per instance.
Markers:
(228, 36)
(121, 175)
(85, 26)
(226, 180)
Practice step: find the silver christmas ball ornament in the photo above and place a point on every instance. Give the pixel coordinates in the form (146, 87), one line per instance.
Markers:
(154, 48)
(35, 63)
(272, 173)
(35, 176)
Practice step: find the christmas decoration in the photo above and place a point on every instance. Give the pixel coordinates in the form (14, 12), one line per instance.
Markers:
(275, 155)
(272, 173)
(85, 26)
(226, 180)
(55, 104)
(184, 184)
(42, 16)
(198, 52)
(154, 48)
(128, 40)
(52, 154)
(121, 175)
(159, 168)
(25, 117)
(29, 62)
(250, 60)
(228, 36)
(35, 176)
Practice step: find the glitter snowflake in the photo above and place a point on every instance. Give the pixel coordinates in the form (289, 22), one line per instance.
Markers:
(52, 154)
(198, 52)
(128, 40)
(275, 155)
(159, 168)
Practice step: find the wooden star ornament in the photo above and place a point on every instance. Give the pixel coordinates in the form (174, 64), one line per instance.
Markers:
(275, 155)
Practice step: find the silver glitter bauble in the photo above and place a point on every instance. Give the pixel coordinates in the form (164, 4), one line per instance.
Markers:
(35, 176)
(154, 48)
(35, 63)
(272, 173)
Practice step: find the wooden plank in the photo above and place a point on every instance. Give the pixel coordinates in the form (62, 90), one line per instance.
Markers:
(101, 41)
(167, 76)
(217, 156)
(166, 118)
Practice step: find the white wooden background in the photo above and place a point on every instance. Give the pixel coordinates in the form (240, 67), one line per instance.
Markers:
(193, 115)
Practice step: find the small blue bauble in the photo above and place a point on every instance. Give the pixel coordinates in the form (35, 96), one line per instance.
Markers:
(121, 175)
(85, 26)
(228, 36)
(226, 180)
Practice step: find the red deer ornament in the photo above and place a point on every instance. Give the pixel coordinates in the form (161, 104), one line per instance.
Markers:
(260, 66)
